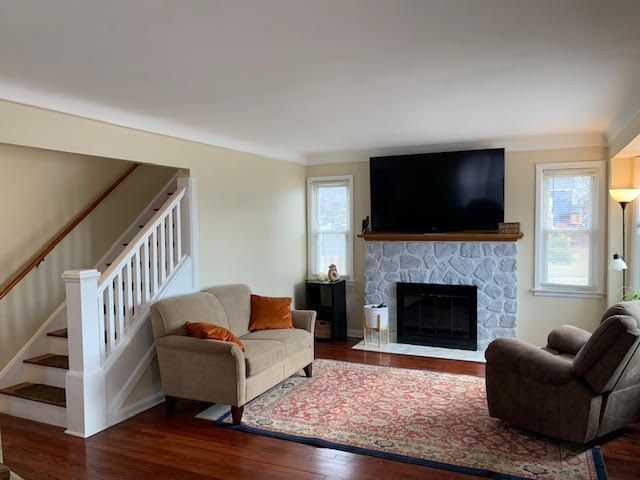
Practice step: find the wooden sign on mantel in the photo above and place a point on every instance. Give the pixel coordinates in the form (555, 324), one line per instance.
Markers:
(509, 227)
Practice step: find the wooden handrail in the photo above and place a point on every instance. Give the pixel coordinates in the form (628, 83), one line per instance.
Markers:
(40, 255)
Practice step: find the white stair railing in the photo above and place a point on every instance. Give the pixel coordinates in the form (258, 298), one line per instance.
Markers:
(105, 310)
(139, 273)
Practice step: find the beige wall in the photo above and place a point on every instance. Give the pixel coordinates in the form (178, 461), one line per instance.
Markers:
(40, 191)
(621, 175)
(251, 211)
(537, 315)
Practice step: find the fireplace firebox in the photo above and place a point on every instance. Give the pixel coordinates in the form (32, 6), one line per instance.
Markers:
(437, 315)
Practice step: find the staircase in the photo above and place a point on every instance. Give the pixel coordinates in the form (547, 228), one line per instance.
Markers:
(99, 337)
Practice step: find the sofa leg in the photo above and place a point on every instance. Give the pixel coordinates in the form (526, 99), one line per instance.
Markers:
(236, 414)
(308, 370)
(170, 404)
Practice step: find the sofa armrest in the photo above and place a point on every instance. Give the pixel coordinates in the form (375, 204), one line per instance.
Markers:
(182, 342)
(529, 361)
(568, 339)
(213, 348)
(304, 320)
(205, 370)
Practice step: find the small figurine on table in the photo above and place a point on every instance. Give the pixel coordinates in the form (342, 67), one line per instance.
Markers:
(332, 274)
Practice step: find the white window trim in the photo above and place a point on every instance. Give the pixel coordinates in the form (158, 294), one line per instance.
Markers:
(598, 260)
(310, 221)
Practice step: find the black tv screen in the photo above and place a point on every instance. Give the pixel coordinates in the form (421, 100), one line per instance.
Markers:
(437, 192)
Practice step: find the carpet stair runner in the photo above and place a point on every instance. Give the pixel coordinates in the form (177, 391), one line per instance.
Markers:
(62, 333)
(50, 360)
(38, 392)
(50, 394)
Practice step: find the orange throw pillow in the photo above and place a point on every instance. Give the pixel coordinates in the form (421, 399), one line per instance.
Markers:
(270, 312)
(212, 332)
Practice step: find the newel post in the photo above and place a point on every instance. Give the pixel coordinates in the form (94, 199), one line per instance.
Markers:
(85, 385)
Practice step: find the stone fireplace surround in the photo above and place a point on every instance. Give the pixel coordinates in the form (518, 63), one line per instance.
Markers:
(491, 266)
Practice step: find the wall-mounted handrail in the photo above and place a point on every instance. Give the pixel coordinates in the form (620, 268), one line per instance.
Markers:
(40, 255)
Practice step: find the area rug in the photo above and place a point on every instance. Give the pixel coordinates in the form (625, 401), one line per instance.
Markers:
(428, 418)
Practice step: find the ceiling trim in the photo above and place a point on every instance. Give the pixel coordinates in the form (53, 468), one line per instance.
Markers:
(519, 144)
(118, 117)
(123, 118)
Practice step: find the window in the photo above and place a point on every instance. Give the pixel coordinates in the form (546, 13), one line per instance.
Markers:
(569, 229)
(329, 212)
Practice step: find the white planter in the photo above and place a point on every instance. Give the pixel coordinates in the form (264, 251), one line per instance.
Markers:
(371, 313)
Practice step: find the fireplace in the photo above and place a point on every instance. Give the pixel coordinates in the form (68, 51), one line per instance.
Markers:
(437, 315)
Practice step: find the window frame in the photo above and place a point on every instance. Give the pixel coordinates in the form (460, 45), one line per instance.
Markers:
(596, 287)
(312, 182)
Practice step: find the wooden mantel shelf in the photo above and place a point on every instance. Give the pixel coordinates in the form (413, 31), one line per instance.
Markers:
(464, 236)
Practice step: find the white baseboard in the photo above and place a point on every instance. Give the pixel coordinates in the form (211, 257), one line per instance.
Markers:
(355, 333)
(139, 407)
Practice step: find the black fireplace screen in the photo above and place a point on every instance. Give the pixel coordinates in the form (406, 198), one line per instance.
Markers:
(438, 315)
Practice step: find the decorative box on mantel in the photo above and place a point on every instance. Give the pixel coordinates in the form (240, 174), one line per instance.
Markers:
(487, 260)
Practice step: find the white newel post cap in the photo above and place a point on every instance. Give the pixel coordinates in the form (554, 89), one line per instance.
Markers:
(77, 276)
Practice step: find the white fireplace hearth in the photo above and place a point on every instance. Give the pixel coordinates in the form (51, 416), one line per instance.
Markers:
(490, 266)
(422, 351)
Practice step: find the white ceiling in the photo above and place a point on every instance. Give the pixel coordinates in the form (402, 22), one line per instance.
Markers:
(290, 77)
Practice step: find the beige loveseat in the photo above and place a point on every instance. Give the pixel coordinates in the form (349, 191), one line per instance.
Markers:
(220, 372)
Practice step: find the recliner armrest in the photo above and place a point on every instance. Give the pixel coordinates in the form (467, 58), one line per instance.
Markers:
(568, 339)
(304, 320)
(529, 361)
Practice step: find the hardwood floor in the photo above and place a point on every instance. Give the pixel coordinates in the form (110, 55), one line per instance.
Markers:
(152, 446)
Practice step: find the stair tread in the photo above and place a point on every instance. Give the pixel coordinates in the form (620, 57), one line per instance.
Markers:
(38, 392)
(62, 333)
(50, 360)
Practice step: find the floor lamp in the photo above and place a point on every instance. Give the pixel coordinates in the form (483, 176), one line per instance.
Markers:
(623, 196)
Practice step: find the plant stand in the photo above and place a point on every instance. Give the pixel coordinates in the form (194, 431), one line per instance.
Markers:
(379, 328)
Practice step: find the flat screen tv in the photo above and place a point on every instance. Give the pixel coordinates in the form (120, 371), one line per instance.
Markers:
(438, 192)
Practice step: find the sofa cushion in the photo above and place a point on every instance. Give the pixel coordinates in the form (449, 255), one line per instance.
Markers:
(210, 331)
(293, 339)
(269, 313)
(261, 354)
(169, 316)
(236, 301)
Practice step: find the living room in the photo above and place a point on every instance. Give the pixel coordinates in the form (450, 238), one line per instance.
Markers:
(161, 156)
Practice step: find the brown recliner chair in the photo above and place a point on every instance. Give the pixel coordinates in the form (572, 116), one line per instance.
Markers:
(579, 387)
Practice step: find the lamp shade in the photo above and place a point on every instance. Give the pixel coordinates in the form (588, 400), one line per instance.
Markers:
(624, 194)
(617, 263)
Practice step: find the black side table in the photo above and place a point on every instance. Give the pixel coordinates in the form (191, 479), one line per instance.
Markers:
(329, 300)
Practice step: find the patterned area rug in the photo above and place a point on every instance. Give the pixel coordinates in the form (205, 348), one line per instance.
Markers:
(428, 418)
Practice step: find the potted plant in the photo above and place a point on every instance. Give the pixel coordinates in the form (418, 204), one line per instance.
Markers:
(371, 313)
